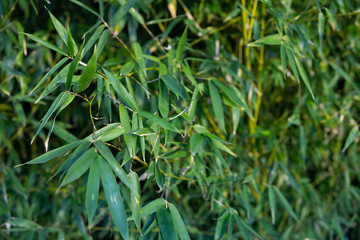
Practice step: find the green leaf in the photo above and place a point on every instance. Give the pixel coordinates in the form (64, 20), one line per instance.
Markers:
(174, 85)
(283, 58)
(46, 44)
(62, 100)
(285, 203)
(79, 167)
(47, 75)
(350, 138)
(102, 41)
(196, 142)
(178, 223)
(181, 46)
(188, 74)
(125, 121)
(302, 143)
(58, 79)
(242, 224)
(121, 90)
(152, 207)
(124, 9)
(165, 124)
(72, 49)
(167, 228)
(292, 64)
(106, 153)
(230, 227)
(232, 96)
(72, 68)
(59, 28)
(220, 226)
(304, 76)
(92, 189)
(193, 104)
(163, 103)
(332, 19)
(217, 104)
(94, 37)
(88, 74)
(114, 199)
(274, 39)
(135, 200)
(272, 203)
(139, 57)
(321, 27)
(127, 68)
(85, 7)
(54, 153)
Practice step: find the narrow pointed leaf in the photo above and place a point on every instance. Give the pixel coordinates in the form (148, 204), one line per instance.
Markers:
(181, 46)
(121, 90)
(125, 121)
(178, 223)
(196, 142)
(80, 166)
(304, 76)
(108, 156)
(274, 39)
(163, 103)
(92, 189)
(54, 153)
(59, 28)
(46, 44)
(166, 226)
(114, 199)
(350, 138)
(217, 104)
(72, 68)
(272, 204)
(135, 200)
(165, 124)
(47, 75)
(88, 74)
(285, 203)
(174, 85)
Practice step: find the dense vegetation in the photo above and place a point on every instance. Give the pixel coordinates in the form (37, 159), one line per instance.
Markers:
(179, 119)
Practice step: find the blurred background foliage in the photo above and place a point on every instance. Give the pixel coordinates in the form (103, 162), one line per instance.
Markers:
(295, 170)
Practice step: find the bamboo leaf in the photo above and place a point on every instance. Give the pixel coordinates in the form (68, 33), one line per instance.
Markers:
(114, 199)
(135, 200)
(274, 39)
(163, 103)
(121, 90)
(61, 30)
(272, 204)
(88, 74)
(47, 75)
(163, 123)
(304, 76)
(178, 223)
(53, 153)
(196, 142)
(350, 138)
(79, 167)
(108, 156)
(92, 189)
(166, 225)
(285, 203)
(175, 86)
(125, 121)
(232, 96)
(46, 44)
(181, 46)
(72, 68)
(152, 207)
(85, 7)
(72, 49)
(217, 105)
